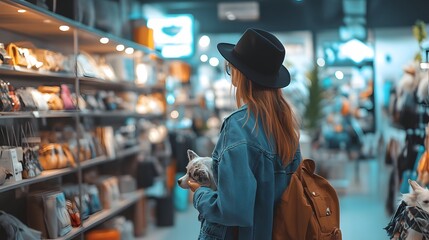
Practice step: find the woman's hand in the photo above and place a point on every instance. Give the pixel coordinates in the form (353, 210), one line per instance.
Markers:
(193, 185)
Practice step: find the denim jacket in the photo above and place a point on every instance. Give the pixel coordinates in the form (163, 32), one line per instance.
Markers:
(250, 180)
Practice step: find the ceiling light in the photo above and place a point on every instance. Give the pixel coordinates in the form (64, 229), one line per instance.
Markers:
(321, 62)
(204, 58)
(47, 21)
(22, 10)
(230, 16)
(242, 11)
(339, 75)
(129, 50)
(104, 40)
(204, 41)
(120, 48)
(64, 28)
(214, 61)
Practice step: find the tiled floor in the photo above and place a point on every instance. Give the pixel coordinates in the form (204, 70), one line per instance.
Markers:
(362, 198)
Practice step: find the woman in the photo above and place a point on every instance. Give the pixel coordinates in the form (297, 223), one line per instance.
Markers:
(258, 147)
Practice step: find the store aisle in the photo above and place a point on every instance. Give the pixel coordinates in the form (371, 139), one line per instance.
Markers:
(362, 208)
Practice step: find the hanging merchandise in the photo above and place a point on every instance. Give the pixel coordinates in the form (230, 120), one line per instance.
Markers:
(9, 158)
(5, 99)
(30, 148)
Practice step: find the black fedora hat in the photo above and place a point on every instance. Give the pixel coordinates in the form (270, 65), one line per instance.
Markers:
(259, 56)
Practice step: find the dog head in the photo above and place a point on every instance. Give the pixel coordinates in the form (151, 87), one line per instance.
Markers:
(198, 169)
(418, 197)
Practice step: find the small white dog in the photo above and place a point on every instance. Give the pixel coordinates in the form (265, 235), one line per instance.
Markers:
(419, 196)
(199, 169)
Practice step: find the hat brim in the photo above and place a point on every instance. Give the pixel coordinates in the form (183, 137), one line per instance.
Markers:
(279, 80)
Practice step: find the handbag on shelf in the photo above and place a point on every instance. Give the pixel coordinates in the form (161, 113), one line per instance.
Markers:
(52, 61)
(73, 211)
(51, 95)
(72, 195)
(55, 156)
(30, 152)
(16, 104)
(26, 99)
(10, 161)
(79, 101)
(66, 97)
(94, 202)
(30, 162)
(38, 99)
(47, 212)
(4, 56)
(22, 54)
(109, 191)
(5, 99)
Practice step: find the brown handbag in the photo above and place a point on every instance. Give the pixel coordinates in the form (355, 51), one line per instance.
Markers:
(16, 104)
(18, 57)
(55, 156)
(52, 97)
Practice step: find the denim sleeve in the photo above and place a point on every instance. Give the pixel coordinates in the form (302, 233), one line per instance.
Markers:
(233, 202)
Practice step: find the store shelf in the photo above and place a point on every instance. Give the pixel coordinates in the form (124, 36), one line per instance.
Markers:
(45, 175)
(43, 24)
(49, 174)
(120, 113)
(103, 159)
(98, 83)
(23, 77)
(99, 217)
(39, 114)
(70, 114)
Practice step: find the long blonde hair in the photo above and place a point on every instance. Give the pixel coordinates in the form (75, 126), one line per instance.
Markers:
(278, 118)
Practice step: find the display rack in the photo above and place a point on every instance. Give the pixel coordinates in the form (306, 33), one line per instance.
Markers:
(41, 26)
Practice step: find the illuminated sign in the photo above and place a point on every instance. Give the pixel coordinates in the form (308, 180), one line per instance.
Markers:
(173, 35)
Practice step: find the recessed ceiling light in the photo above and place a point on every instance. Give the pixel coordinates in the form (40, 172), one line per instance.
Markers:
(104, 40)
(120, 48)
(129, 50)
(47, 21)
(22, 10)
(64, 28)
(204, 58)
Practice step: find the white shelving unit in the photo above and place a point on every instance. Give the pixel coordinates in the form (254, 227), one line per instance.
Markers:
(41, 27)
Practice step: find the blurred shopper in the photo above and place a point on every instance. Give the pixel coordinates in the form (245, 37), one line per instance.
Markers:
(258, 146)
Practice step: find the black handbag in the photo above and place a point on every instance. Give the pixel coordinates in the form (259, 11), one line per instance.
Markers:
(26, 99)
(5, 99)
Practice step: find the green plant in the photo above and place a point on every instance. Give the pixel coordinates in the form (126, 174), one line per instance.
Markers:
(313, 112)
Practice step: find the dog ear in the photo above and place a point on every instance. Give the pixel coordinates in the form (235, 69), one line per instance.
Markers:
(414, 185)
(191, 155)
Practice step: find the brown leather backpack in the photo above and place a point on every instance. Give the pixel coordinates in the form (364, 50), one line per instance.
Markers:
(309, 208)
